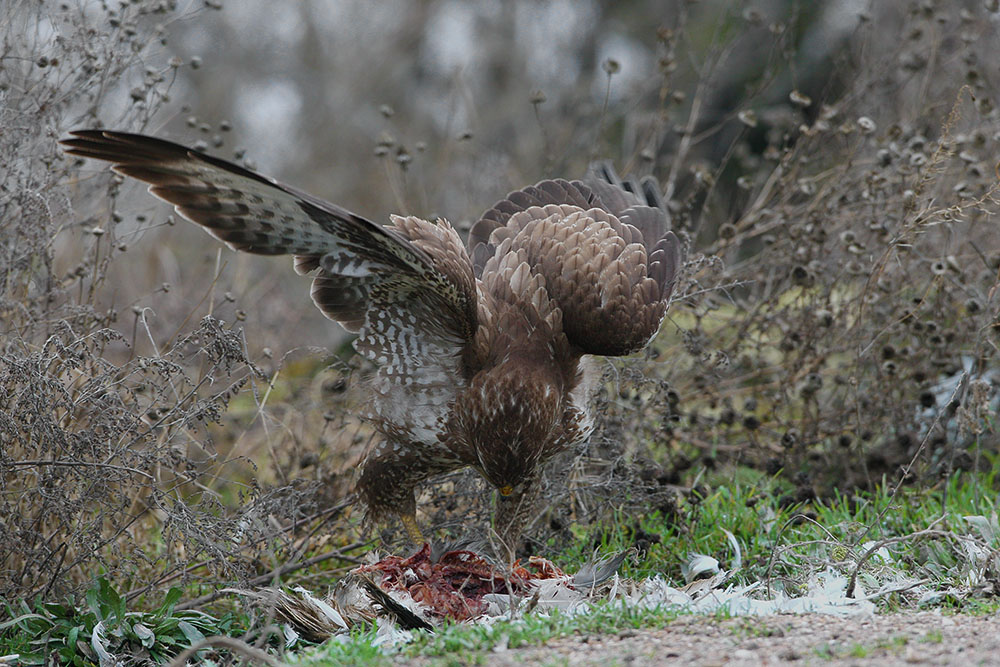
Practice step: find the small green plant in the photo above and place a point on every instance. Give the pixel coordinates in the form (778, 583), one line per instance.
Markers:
(858, 651)
(751, 627)
(825, 651)
(104, 630)
(932, 637)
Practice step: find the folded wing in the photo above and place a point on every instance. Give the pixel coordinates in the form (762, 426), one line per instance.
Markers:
(604, 252)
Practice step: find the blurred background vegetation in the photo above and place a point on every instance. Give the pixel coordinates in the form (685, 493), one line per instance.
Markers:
(172, 412)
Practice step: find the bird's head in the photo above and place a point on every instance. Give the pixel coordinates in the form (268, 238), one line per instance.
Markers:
(509, 420)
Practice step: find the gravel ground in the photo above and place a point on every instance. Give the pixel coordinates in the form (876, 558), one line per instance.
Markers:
(911, 638)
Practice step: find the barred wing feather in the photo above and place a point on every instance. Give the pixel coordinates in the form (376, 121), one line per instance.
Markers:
(408, 289)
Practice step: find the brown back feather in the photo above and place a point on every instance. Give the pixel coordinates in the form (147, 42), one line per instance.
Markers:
(606, 259)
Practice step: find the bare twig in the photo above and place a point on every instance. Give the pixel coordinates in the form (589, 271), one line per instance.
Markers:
(279, 572)
(927, 532)
(220, 641)
(78, 464)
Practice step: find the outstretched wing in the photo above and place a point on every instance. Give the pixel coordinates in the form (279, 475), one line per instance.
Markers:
(407, 289)
(605, 254)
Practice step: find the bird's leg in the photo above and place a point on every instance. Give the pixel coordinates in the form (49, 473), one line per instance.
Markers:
(389, 473)
(409, 520)
(386, 487)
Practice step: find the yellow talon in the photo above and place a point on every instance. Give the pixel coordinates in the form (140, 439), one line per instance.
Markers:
(412, 529)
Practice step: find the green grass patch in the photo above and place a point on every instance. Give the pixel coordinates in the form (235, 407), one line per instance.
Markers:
(838, 530)
(466, 641)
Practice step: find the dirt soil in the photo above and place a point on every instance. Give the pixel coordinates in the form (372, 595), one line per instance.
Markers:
(909, 638)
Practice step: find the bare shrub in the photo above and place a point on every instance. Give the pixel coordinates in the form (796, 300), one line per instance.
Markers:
(107, 462)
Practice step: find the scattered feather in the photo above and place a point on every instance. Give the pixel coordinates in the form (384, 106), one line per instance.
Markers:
(699, 566)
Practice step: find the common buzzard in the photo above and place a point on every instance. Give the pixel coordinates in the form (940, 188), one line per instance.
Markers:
(482, 353)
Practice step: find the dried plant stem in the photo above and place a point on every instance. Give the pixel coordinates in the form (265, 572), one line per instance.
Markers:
(287, 568)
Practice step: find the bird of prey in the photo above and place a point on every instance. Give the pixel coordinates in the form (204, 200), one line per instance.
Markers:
(485, 354)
